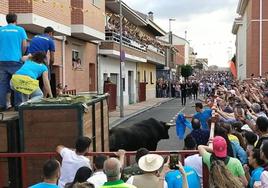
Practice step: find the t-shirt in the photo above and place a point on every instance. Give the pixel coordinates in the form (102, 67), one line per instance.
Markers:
(234, 165)
(11, 38)
(131, 180)
(44, 185)
(32, 69)
(203, 117)
(98, 179)
(195, 161)
(174, 178)
(41, 43)
(264, 179)
(117, 184)
(255, 176)
(201, 136)
(71, 162)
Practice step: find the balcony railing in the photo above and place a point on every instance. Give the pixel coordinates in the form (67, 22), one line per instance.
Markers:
(115, 37)
(155, 49)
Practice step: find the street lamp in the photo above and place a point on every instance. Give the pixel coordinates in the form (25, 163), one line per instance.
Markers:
(170, 42)
(121, 64)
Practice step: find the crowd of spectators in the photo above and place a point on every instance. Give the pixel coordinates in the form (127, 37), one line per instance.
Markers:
(132, 32)
(237, 155)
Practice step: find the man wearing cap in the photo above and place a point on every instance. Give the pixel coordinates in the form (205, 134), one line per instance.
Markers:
(150, 164)
(219, 152)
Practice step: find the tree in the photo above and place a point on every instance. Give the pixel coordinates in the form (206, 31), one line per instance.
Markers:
(186, 71)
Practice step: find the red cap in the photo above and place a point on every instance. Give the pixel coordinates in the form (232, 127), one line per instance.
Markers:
(219, 146)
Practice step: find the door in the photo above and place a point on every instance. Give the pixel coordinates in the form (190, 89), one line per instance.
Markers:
(130, 87)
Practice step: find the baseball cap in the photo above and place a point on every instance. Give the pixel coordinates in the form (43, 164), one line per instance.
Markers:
(219, 146)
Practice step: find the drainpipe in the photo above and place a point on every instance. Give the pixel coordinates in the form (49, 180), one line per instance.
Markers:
(98, 69)
(63, 61)
(261, 18)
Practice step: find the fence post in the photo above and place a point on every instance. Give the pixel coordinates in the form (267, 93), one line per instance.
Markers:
(24, 172)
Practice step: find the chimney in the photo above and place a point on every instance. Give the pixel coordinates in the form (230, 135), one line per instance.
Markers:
(151, 15)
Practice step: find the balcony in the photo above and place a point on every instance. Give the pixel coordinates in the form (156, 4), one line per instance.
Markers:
(88, 20)
(127, 41)
(132, 47)
(34, 16)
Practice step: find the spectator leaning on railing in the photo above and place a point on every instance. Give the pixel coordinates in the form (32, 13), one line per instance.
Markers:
(72, 160)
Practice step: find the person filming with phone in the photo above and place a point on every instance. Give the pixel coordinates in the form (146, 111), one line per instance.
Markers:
(181, 176)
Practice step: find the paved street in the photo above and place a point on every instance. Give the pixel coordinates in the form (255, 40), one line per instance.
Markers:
(165, 112)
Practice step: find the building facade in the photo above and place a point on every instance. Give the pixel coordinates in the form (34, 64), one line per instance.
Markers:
(251, 30)
(78, 25)
(141, 53)
(3, 11)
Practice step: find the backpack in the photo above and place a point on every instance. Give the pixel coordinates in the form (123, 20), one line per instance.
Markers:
(226, 160)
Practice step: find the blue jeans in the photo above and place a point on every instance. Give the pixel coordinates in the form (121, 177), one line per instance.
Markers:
(35, 96)
(7, 69)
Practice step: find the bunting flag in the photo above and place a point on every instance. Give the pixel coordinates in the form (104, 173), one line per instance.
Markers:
(181, 124)
(233, 69)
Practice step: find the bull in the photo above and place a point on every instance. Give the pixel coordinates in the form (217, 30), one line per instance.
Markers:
(146, 133)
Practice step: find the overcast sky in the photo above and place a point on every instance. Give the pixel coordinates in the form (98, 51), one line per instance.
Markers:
(208, 24)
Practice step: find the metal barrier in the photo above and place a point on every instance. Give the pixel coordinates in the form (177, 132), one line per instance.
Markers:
(70, 92)
(24, 156)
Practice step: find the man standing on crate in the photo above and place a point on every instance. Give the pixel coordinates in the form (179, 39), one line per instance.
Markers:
(44, 43)
(12, 46)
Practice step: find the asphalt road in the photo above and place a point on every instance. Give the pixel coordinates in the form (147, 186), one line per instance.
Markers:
(165, 112)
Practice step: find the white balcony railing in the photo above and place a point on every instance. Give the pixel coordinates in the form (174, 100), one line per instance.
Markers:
(115, 37)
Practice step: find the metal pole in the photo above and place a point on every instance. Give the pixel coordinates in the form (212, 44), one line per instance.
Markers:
(121, 74)
(170, 72)
(260, 58)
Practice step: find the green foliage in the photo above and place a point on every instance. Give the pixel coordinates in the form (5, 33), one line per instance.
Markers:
(186, 71)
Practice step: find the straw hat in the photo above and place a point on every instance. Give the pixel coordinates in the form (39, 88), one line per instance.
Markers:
(150, 162)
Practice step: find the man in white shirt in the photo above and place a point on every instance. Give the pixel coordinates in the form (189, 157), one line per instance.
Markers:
(72, 160)
(98, 178)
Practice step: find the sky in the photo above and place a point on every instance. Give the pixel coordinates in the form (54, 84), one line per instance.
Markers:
(208, 24)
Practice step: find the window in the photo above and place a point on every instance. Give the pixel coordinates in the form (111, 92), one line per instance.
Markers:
(97, 3)
(144, 76)
(151, 78)
(77, 57)
(124, 83)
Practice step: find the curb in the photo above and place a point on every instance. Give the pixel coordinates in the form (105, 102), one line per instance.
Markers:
(121, 120)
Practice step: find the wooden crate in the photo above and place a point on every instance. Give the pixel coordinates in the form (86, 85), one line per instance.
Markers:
(9, 134)
(44, 126)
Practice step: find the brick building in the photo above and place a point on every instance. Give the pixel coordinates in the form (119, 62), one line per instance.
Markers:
(249, 45)
(79, 25)
(3, 11)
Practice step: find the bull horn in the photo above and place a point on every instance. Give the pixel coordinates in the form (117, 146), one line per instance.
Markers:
(168, 124)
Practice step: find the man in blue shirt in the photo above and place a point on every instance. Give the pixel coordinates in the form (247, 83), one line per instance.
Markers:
(174, 178)
(13, 43)
(44, 43)
(51, 174)
(202, 115)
